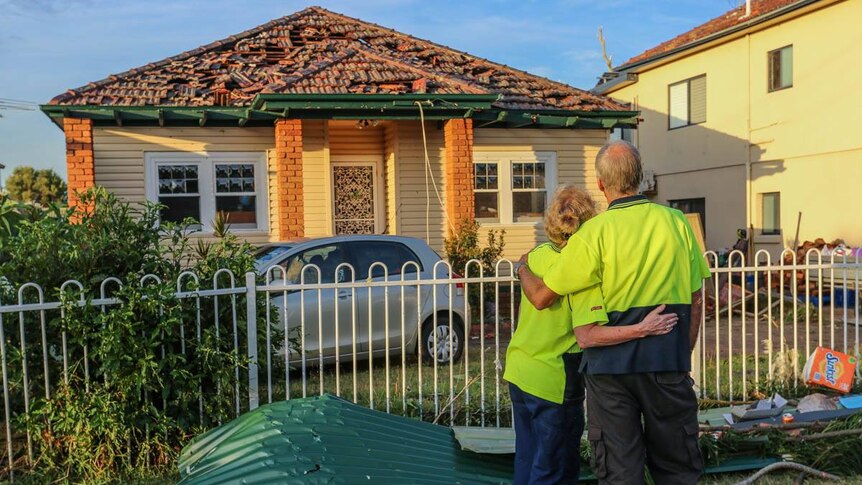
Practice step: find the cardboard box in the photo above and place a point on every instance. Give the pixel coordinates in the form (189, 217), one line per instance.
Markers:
(830, 368)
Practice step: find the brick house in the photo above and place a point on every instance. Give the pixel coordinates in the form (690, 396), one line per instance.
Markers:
(311, 125)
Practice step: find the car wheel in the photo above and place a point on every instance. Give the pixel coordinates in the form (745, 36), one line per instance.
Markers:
(443, 353)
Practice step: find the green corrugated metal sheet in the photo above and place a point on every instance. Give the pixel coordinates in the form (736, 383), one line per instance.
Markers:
(329, 440)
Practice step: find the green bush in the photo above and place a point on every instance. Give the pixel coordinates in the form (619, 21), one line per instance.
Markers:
(140, 377)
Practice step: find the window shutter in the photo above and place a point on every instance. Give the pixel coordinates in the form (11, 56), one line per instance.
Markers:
(678, 105)
(698, 99)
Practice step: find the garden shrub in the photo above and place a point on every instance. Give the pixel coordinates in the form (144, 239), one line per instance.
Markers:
(158, 369)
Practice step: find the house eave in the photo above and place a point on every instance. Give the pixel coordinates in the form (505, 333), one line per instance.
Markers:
(266, 108)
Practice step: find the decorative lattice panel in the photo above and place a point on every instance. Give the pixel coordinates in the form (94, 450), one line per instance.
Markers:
(354, 199)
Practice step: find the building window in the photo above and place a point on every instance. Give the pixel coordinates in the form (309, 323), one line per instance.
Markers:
(201, 186)
(529, 193)
(513, 188)
(780, 68)
(486, 192)
(771, 213)
(687, 102)
(625, 134)
(691, 206)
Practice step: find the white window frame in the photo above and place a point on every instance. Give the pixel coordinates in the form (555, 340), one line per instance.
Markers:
(675, 123)
(504, 181)
(206, 162)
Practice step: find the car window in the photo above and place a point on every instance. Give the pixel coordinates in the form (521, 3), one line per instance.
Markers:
(392, 254)
(327, 258)
(270, 254)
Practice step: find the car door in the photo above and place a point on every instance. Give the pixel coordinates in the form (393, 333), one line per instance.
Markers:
(373, 303)
(311, 312)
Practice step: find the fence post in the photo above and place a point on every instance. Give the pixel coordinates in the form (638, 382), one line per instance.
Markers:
(251, 321)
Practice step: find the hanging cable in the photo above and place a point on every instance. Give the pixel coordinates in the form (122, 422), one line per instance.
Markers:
(430, 174)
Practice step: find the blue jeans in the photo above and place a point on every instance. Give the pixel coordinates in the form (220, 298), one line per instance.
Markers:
(547, 434)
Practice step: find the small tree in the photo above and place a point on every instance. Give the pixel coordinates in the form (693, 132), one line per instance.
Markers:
(463, 246)
(43, 187)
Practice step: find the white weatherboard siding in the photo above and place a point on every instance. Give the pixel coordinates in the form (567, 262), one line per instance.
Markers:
(119, 155)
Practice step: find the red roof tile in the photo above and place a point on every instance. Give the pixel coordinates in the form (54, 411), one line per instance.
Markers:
(732, 18)
(316, 51)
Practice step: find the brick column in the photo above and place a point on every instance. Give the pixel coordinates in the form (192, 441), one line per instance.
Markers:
(458, 140)
(288, 153)
(80, 164)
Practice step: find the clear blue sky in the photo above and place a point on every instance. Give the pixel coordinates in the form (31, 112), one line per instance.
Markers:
(48, 46)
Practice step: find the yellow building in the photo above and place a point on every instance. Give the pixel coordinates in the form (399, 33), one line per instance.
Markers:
(741, 121)
(311, 125)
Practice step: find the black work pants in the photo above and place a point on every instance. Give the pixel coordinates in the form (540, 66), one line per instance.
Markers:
(643, 419)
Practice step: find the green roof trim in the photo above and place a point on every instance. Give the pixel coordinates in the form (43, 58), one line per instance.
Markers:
(266, 108)
(325, 439)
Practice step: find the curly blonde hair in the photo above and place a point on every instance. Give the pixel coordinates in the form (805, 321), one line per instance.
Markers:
(569, 209)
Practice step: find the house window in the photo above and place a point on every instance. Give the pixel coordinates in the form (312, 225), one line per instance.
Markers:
(780, 68)
(528, 191)
(178, 192)
(486, 192)
(626, 134)
(691, 206)
(771, 213)
(513, 188)
(202, 186)
(235, 196)
(687, 102)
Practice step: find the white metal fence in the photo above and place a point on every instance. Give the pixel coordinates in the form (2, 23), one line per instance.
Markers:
(426, 344)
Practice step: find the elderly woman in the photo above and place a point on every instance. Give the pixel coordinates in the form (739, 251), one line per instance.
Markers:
(543, 358)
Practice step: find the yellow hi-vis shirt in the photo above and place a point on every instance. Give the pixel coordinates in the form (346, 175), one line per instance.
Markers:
(534, 359)
(640, 255)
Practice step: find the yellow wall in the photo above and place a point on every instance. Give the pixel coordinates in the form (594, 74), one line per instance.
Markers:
(797, 140)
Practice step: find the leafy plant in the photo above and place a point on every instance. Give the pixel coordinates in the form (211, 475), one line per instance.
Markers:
(27, 184)
(131, 382)
(463, 246)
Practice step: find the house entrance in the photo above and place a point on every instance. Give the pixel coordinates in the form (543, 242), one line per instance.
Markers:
(356, 198)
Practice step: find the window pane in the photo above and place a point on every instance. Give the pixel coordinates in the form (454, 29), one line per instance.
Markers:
(528, 206)
(240, 209)
(486, 176)
(697, 92)
(678, 106)
(787, 67)
(771, 213)
(178, 179)
(178, 208)
(235, 177)
(486, 206)
(691, 206)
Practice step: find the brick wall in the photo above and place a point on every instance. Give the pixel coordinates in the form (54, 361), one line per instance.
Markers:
(80, 165)
(458, 139)
(288, 153)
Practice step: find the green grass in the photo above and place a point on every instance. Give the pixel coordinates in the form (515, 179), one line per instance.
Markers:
(369, 388)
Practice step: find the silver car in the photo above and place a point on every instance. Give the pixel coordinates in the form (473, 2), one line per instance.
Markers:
(362, 311)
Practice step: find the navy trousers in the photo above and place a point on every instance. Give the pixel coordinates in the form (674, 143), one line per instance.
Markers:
(547, 434)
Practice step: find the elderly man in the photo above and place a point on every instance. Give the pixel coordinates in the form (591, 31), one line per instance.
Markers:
(640, 402)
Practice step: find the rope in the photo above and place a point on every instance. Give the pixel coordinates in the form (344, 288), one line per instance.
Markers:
(805, 470)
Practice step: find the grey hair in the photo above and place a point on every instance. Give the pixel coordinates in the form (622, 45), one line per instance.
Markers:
(618, 165)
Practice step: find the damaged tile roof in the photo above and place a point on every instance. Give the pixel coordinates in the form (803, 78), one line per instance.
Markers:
(316, 51)
(732, 18)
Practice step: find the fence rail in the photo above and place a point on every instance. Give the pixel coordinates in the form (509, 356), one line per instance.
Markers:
(421, 343)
